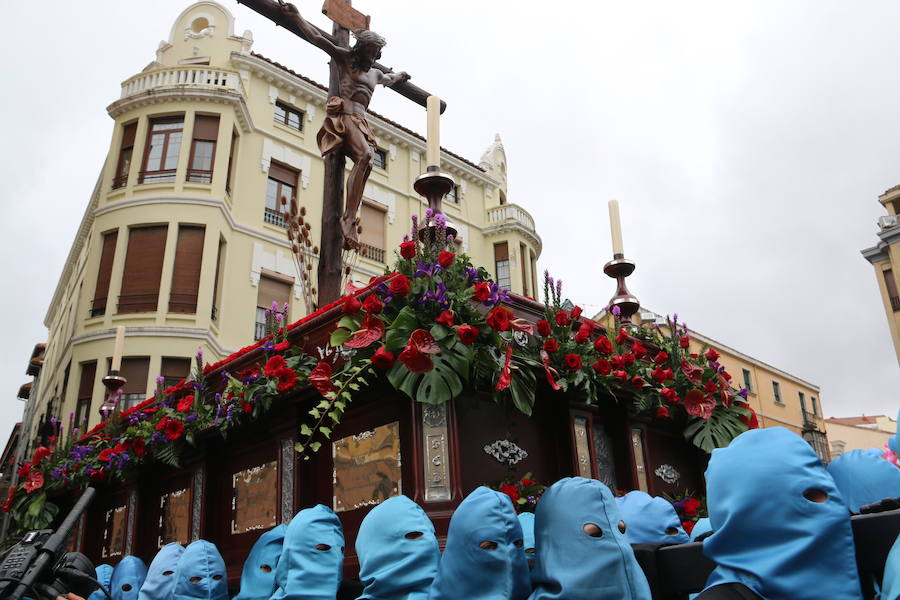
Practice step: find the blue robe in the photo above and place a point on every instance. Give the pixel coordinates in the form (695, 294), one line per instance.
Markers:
(312, 558)
(570, 563)
(700, 527)
(890, 584)
(161, 576)
(127, 578)
(391, 565)
(468, 571)
(768, 535)
(650, 520)
(201, 573)
(258, 576)
(104, 574)
(863, 478)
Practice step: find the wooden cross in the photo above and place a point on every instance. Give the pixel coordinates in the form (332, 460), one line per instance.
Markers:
(333, 240)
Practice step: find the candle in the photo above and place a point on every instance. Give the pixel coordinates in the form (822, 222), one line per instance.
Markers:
(117, 351)
(433, 148)
(615, 227)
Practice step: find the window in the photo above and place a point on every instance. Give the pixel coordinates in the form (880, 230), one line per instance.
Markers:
(272, 288)
(501, 264)
(748, 380)
(163, 147)
(453, 194)
(802, 404)
(380, 159)
(135, 370)
(186, 272)
(85, 391)
(523, 253)
(230, 162)
(220, 258)
(101, 291)
(174, 370)
(124, 164)
(143, 269)
(502, 197)
(280, 188)
(815, 408)
(372, 237)
(289, 116)
(776, 389)
(203, 149)
(890, 285)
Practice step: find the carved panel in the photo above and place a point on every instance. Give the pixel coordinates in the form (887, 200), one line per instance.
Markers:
(603, 454)
(367, 467)
(437, 455)
(254, 498)
(582, 446)
(174, 518)
(287, 480)
(637, 442)
(114, 531)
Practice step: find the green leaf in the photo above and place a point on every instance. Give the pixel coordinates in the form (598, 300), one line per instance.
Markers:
(315, 446)
(439, 332)
(350, 322)
(298, 447)
(340, 405)
(405, 320)
(339, 336)
(305, 430)
(335, 417)
(314, 413)
(325, 431)
(521, 500)
(37, 505)
(324, 404)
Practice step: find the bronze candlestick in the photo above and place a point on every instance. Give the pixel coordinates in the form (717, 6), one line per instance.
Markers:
(433, 185)
(619, 268)
(113, 382)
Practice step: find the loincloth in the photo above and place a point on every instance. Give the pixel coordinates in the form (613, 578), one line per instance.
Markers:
(337, 121)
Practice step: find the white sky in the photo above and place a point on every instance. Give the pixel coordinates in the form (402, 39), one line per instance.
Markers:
(746, 141)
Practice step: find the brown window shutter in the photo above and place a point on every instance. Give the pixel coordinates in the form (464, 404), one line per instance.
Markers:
(890, 283)
(283, 174)
(128, 133)
(372, 221)
(186, 272)
(272, 290)
(175, 367)
(135, 370)
(206, 128)
(86, 384)
(220, 255)
(143, 269)
(98, 306)
(501, 251)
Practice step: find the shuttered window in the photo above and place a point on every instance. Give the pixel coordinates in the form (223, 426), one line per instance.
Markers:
(186, 272)
(135, 370)
(501, 264)
(98, 305)
(220, 257)
(174, 370)
(125, 153)
(231, 150)
(203, 149)
(281, 184)
(143, 269)
(372, 237)
(85, 391)
(272, 288)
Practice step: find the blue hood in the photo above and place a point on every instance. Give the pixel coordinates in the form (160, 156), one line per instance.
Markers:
(127, 578)
(474, 573)
(700, 527)
(649, 518)
(258, 576)
(201, 573)
(391, 566)
(890, 585)
(161, 576)
(304, 572)
(573, 565)
(863, 478)
(768, 536)
(104, 574)
(526, 520)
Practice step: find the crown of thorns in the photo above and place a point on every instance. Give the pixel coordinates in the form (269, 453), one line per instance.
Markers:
(365, 36)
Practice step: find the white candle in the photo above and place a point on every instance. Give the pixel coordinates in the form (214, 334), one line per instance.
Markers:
(615, 227)
(117, 351)
(433, 148)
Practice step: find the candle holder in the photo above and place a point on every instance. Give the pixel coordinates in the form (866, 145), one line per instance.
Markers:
(619, 268)
(113, 382)
(434, 185)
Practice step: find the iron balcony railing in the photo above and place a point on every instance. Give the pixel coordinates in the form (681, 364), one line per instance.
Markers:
(131, 303)
(157, 176)
(199, 176)
(182, 303)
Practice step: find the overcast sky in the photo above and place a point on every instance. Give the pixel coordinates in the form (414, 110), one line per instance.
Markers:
(747, 143)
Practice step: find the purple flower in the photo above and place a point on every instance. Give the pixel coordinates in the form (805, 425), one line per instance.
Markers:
(79, 452)
(440, 221)
(439, 296)
(274, 308)
(616, 311)
(427, 269)
(675, 317)
(472, 275)
(199, 354)
(405, 237)
(284, 308)
(743, 393)
(269, 346)
(191, 418)
(496, 296)
(559, 287)
(160, 380)
(279, 317)
(428, 214)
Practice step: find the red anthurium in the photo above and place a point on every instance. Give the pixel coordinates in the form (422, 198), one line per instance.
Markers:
(34, 481)
(7, 504)
(371, 331)
(698, 404)
(506, 374)
(549, 371)
(415, 354)
(320, 378)
(692, 372)
(383, 358)
(752, 422)
(40, 454)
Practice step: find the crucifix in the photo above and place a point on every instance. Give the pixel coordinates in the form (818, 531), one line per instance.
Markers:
(353, 75)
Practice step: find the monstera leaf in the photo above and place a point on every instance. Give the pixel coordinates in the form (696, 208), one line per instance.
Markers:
(442, 383)
(718, 430)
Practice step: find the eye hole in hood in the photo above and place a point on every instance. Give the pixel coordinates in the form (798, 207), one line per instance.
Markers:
(488, 545)
(593, 530)
(413, 535)
(815, 495)
(323, 547)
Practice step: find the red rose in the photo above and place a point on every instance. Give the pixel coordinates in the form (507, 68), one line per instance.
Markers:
(408, 249)
(525, 481)
(580, 338)
(383, 358)
(690, 510)
(622, 336)
(282, 346)
(511, 491)
(586, 329)
(662, 412)
(638, 349)
(688, 526)
(572, 362)
(351, 305)
(185, 404)
(7, 504)
(603, 345)
(637, 381)
(34, 481)
(620, 375)
(670, 395)
(684, 342)
(629, 358)
(575, 313)
(287, 379)
(467, 334)
(711, 355)
(273, 365)
(694, 355)
(445, 318)
(139, 446)
(602, 367)
(562, 318)
(445, 259)
(661, 357)
(550, 345)
(726, 375)
(399, 285)
(543, 327)
(372, 304)
(499, 318)
(482, 292)
(709, 387)
(40, 453)
(415, 354)
(97, 475)
(617, 362)
(23, 471)
(105, 455)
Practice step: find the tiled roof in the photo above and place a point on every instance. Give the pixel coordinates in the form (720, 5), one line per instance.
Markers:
(861, 420)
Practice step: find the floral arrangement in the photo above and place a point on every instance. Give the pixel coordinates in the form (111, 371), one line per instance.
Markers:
(525, 493)
(690, 509)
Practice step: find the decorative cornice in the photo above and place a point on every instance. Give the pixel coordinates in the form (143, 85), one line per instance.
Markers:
(155, 332)
(179, 93)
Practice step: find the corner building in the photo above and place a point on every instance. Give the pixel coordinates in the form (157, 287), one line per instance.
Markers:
(885, 258)
(182, 241)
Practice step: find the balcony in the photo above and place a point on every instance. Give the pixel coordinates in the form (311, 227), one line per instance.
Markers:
(888, 222)
(199, 77)
(274, 217)
(371, 252)
(511, 213)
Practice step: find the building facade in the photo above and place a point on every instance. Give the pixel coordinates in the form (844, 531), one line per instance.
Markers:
(885, 258)
(859, 433)
(183, 241)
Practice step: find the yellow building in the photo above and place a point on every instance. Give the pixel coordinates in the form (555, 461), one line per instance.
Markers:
(182, 241)
(885, 257)
(859, 433)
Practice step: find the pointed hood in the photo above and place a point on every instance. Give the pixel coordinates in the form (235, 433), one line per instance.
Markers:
(467, 570)
(772, 534)
(201, 573)
(863, 478)
(127, 578)
(526, 520)
(398, 551)
(312, 558)
(161, 576)
(700, 527)
(104, 574)
(571, 563)
(258, 576)
(650, 520)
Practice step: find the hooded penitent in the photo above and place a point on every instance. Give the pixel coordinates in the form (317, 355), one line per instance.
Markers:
(398, 551)
(650, 520)
(258, 576)
(104, 574)
(161, 577)
(700, 527)
(781, 527)
(201, 573)
(890, 584)
(483, 559)
(863, 478)
(526, 520)
(582, 552)
(312, 558)
(127, 578)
